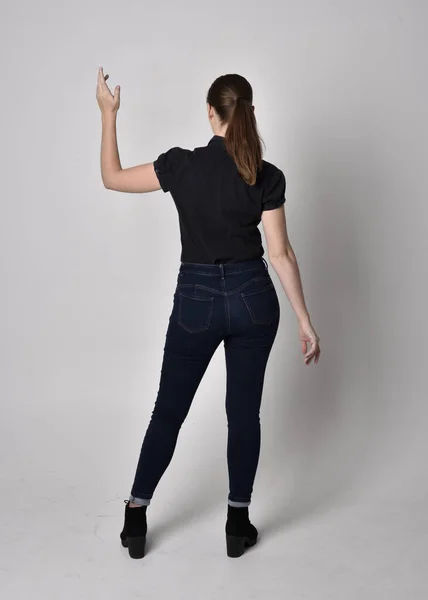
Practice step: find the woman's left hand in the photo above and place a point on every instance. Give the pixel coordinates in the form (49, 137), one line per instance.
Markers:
(109, 103)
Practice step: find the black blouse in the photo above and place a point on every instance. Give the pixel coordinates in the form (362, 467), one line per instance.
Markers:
(218, 211)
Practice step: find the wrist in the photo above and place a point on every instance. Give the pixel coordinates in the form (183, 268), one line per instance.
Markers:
(108, 117)
(304, 319)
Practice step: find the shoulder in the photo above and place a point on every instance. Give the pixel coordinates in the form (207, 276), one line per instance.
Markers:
(269, 172)
(171, 159)
(272, 183)
(174, 156)
(169, 164)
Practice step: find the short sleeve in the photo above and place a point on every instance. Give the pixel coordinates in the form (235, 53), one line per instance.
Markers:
(167, 166)
(274, 193)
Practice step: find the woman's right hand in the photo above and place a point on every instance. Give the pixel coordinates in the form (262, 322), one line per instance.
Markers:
(307, 335)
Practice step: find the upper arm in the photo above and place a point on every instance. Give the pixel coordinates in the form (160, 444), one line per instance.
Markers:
(138, 179)
(149, 177)
(275, 230)
(273, 215)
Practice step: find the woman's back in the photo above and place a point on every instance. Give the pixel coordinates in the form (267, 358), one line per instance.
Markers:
(218, 211)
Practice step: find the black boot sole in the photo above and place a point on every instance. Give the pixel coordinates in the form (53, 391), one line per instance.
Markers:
(136, 546)
(236, 545)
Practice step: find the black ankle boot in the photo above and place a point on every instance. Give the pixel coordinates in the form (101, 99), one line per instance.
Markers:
(240, 533)
(134, 531)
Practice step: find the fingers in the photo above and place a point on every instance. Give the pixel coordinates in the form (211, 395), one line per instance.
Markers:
(101, 77)
(314, 353)
(315, 350)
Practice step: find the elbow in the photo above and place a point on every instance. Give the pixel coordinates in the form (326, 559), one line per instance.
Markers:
(278, 259)
(284, 255)
(111, 180)
(108, 184)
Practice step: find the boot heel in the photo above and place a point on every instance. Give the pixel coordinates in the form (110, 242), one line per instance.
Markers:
(235, 545)
(135, 545)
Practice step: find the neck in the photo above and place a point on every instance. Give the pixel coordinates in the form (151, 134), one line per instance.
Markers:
(220, 132)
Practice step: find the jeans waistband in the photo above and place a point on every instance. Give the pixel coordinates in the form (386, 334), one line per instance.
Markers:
(224, 268)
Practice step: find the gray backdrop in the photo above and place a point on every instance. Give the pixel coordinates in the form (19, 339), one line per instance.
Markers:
(88, 275)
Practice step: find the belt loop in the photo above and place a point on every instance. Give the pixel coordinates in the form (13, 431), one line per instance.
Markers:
(266, 265)
(222, 270)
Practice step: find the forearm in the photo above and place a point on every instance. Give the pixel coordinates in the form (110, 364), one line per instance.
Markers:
(287, 269)
(110, 162)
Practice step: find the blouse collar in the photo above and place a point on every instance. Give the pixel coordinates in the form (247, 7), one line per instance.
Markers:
(216, 138)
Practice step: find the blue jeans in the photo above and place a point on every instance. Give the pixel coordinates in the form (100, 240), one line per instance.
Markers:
(235, 303)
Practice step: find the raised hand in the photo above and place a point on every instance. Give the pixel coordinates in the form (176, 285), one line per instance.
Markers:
(108, 102)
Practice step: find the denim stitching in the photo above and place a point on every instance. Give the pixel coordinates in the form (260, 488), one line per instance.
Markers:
(254, 320)
(228, 312)
(268, 287)
(184, 270)
(196, 297)
(234, 291)
(208, 322)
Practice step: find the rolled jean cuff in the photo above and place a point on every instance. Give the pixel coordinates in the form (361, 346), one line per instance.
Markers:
(140, 501)
(238, 502)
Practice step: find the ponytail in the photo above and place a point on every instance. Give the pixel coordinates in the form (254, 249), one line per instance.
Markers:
(232, 96)
(243, 141)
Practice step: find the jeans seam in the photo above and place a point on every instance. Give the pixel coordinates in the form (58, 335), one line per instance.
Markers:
(235, 290)
(217, 274)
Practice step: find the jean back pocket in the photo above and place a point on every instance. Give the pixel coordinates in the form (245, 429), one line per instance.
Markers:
(262, 304)
(194, 312)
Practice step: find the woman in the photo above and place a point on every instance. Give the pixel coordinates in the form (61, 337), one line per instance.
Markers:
(224, 292)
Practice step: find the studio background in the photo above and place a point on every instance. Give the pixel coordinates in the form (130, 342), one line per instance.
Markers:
(88, 275)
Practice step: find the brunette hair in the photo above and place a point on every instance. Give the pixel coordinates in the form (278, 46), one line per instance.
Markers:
(232, 96)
